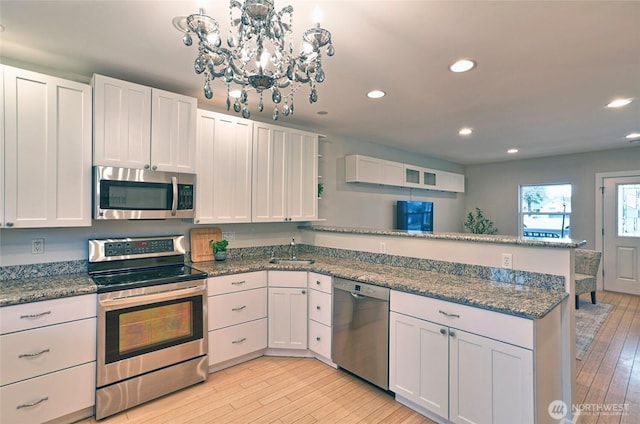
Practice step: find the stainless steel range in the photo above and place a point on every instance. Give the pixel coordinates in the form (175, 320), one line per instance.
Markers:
(152, 320)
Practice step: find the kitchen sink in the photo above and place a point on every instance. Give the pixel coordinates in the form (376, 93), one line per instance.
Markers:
(287, 261)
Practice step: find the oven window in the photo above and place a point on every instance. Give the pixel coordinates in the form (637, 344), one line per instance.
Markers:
(147, 328)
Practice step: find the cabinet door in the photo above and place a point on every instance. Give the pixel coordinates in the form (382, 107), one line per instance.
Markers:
(2, 124)
(288, 318)
(47, 151)
(122, 123)
(173, 132)
(269, 172)
(224, 168)
(418, 362)
(302, 176)
(491, 382)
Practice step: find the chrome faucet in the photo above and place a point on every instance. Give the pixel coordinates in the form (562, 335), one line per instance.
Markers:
(293, 249)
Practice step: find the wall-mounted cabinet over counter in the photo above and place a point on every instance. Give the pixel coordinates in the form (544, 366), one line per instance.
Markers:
(141, 127)
(365, 169)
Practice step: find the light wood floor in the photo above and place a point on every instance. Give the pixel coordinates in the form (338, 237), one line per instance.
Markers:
(288, 390)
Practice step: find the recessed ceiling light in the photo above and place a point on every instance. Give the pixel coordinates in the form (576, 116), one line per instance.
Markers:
(632, 136)
(376, 94)
(512, 151)
(465, 131)
(462, 65)
(619, 102)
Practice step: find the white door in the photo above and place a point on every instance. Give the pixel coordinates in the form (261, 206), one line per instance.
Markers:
(621, 241)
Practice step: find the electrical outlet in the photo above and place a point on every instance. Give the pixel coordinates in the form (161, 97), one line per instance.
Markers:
(383, 247)
(507, 260)
(37, 246)
(229, 236)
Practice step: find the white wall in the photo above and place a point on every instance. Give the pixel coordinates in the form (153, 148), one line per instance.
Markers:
(494, 187)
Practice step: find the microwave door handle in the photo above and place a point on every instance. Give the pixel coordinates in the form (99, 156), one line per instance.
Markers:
(174, 203)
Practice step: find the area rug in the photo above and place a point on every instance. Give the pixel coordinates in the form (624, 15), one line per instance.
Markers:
(589, 319)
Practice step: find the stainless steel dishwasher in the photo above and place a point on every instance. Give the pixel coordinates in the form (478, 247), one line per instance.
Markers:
(361, 330)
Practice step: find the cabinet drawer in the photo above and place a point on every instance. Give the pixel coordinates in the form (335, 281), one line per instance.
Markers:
(48, 312)
(66, 392)
(498, 326)
(320, 282)
(236, 282)
(232, 342)
(287, 279)
(236, 308)
(320, 307)
(320, 339)
(27, 354)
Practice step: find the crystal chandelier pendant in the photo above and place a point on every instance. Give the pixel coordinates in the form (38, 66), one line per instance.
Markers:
(259, 54)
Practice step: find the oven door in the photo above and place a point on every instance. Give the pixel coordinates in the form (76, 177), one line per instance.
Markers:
(145, 329)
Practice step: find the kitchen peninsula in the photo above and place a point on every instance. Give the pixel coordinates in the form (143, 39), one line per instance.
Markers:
(458, 270)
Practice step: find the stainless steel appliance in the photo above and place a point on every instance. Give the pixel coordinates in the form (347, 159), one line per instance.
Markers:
(361, 330)
(152, 320)
(126, 193)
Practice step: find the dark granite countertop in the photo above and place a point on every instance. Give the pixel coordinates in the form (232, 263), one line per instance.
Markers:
(523, 301)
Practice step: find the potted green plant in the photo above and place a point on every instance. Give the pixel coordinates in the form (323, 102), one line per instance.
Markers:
(479, 223)
(219, 249)
(320, 190)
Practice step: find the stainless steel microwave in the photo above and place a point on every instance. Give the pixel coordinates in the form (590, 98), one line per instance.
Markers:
(126, 193)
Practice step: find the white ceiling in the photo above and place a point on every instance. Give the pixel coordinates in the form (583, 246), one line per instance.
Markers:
(545, 70)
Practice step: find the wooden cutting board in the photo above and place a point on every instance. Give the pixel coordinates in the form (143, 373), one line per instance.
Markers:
(201, 250)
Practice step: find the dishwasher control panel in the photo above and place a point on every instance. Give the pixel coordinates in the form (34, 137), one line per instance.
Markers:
(364, 289)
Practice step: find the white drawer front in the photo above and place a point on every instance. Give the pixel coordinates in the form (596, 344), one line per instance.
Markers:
(48, 312)
(320, 339)
(236, 282)
(31, 353)
(320, 307)
(320, 282)
(232, 342)
(287, 279)
(235, 308)
(495, 325)
(53, 395)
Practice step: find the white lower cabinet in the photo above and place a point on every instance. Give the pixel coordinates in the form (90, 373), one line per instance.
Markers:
(320, 314)
(48, 360)
(237, 317)
(288, 309)
(453, 375)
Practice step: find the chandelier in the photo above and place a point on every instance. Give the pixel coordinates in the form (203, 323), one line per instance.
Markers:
(258, 55)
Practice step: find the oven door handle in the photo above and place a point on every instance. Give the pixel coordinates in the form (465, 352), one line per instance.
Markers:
(153, 296)
(174, 203)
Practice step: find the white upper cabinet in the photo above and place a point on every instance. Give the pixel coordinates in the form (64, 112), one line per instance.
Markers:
(224, 147)
(364, 169)
(144, 128)
(173, 132)
(285, 174)
(122, 123)
(47, 151)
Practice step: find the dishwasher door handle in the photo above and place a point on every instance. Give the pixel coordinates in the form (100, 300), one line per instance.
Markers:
(356, 295)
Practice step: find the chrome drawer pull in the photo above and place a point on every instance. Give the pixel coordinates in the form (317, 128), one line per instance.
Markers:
(29, 405)
(237, 283)
(239, 308)
(449, 315)
(35, 315)
(318, 307)
(318, 338)
(239, 340)
(318, 282)
(32, 355)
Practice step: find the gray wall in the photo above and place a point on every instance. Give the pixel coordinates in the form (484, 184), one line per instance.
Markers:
(494, 187)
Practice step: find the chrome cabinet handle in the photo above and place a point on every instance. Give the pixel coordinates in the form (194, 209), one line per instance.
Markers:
(443, 331)
(29, 405)
(9, 224)
(239, 340)
(304, 292)
(239, 308)
(35, 315)
(237, 283)
(452, 333)
(33, 355)
(318, 307)
(318, 282)
(446, 314)
(317, 338)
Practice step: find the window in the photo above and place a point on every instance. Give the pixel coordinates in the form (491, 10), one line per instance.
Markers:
(629, 210)
(545, 210)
